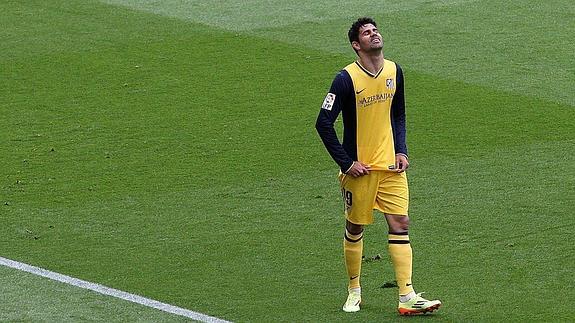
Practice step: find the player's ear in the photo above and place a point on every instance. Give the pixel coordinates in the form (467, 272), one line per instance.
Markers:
(355, 45)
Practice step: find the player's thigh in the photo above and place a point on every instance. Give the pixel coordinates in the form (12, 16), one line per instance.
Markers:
(359, 194)
(393, 194)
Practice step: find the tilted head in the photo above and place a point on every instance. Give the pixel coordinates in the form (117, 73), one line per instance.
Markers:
(364, 35)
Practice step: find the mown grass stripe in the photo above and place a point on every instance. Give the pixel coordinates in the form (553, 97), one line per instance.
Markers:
(110, 291)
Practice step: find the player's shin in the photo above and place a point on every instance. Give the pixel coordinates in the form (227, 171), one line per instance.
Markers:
(353, 250)
(401, 256)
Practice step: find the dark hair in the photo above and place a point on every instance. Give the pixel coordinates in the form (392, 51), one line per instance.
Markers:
(353, 33)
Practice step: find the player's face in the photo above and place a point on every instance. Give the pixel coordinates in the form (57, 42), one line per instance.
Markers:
(370, 38)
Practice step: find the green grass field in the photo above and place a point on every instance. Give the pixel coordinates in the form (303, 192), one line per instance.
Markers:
(167, 149)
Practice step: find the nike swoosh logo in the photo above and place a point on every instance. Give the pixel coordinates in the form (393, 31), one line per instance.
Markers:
(352, 278)
(358, 92)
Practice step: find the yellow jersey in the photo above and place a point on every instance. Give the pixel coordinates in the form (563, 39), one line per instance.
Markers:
(373, 112)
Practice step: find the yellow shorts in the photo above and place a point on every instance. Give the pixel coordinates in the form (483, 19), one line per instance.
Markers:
(380, 190)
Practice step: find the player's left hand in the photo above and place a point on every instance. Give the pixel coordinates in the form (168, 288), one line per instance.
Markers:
(401, 163)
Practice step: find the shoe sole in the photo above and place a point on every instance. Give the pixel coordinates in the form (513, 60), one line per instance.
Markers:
(403, 311)
(353, 309)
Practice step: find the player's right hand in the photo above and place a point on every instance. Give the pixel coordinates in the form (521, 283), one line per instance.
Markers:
(358, 169)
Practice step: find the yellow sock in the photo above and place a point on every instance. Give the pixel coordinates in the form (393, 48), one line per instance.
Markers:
(352, 251)
(401, 256)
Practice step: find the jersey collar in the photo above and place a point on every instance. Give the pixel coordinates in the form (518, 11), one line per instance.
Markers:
(368, 72)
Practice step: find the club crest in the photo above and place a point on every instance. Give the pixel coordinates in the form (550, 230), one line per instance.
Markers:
(389, 83)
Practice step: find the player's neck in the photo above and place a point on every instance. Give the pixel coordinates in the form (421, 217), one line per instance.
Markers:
(373, 62)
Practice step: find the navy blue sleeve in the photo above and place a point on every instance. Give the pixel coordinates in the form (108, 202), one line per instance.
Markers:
(338, 96)
(398, 115)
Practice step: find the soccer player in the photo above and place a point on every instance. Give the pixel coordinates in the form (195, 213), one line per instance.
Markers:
(372, 160)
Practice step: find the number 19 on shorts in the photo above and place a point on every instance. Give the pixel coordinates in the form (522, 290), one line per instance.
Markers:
(347, 198)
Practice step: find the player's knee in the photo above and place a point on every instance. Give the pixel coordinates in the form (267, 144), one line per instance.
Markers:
(403, 227)
(353, 228)
(398, 224)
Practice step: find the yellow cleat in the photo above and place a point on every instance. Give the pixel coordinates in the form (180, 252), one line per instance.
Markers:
(418, 305)
(352, 303)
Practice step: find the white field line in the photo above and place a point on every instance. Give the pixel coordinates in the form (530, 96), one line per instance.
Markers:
(110, 291)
